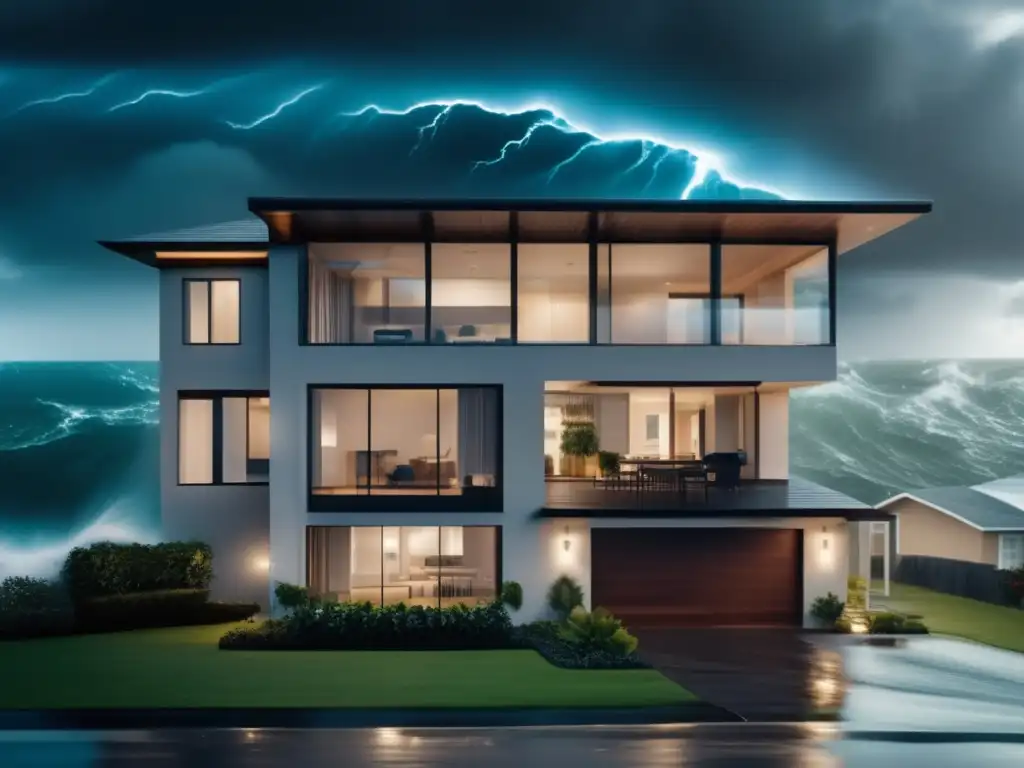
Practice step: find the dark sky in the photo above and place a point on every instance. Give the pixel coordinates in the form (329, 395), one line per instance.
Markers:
(816, 99)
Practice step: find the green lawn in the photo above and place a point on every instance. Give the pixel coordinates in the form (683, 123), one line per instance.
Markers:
(950, 615)
(182, 667)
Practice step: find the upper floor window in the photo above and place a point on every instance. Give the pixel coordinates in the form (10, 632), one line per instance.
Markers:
(212, 311)
(223, 438)
(569, 293)
(405, 448)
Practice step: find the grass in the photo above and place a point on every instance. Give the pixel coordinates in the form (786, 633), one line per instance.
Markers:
(959, 616)
(183, 668)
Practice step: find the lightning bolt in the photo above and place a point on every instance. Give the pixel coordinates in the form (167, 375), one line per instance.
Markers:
(574, 156)
(161, 92)
(517, 143)
(705, 160)
(645, 152)
(276, 111)
(65, 96)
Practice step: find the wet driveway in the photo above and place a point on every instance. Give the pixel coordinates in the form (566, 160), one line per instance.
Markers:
(762, 675)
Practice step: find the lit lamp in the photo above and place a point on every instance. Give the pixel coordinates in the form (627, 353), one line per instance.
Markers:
(826, 556)
(565, 554)
(389, 544)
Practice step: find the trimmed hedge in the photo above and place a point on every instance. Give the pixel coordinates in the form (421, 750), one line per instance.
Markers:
(34, 608)
(895, 624)
(165, 608)
(362, 626)
(549, 640)
(107, 569)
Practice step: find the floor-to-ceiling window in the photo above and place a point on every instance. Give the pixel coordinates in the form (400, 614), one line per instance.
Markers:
(471, 293)
(417, 565)
(405, 446)
(779, 295)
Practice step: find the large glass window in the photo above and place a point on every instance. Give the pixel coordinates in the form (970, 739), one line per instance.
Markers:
(554, 291)
(659, 294)
(223, 439)
(416, 565)
(779, 295)
(385, 443)
(367, 293)
(212, 311)
(471, 293)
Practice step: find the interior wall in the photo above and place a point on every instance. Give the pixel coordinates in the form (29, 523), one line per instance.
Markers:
(727, 423)
(259, 430)
(612, 421)
(234, 461)
(640, 407)
(774, 435)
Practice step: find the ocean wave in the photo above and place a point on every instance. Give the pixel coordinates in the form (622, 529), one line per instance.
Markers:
(43, 558)
(881, 428)
(71, 418)
(42, 403)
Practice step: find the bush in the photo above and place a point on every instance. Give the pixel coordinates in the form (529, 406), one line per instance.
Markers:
(598, 631)
(564, 595)
(292, 596)
(362, 626)
(34, 608)
(166, 608)
(549, 640)
(894, 624)
(609, 462)
(512, 595)
(107, 569)
(827, 609)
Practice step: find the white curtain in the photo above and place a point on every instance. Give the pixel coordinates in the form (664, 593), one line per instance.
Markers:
(330, 305)
(478, 431)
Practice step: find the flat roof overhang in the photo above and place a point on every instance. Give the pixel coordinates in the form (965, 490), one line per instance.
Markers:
(848, 224)
(191, 254)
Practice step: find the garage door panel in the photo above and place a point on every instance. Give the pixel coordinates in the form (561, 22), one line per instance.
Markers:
(697, 577)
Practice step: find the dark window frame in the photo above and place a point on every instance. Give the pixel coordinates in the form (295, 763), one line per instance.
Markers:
(186, 313)
(478, 499)
(593, 241)
(217, 396)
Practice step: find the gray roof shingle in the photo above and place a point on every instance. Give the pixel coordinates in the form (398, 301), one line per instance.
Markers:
(242, 231)
(978, 508)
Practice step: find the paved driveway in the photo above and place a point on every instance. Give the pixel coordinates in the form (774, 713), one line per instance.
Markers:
(759, 674)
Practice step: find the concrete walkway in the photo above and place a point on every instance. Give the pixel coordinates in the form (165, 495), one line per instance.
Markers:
(762, 675)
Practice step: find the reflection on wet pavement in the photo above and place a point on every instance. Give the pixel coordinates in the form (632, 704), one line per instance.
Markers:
(723, 746)
(934, 684)
(826, 684)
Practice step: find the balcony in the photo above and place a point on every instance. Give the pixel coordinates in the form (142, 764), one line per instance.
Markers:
(795, 497)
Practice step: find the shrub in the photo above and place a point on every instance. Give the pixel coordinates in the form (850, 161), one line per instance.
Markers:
(894, 624)
(292, 596)
(34, 608)
(107, 569)
(827, 609)
(548, 639)
(165, 608)
(564, 595)
(362, 626)
(598, 631)
(609, 462)
(512, 595)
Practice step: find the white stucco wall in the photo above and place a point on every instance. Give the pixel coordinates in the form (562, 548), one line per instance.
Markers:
(773, 435)
(522, 372)
(232, 519)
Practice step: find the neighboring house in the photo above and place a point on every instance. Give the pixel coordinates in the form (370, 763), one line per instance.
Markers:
(369, 397)
(979, 524)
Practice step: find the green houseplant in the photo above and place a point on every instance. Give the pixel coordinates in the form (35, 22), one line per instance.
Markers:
(579, 443)
(609, 462)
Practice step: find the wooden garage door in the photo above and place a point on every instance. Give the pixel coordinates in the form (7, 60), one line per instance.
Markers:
(697, 576)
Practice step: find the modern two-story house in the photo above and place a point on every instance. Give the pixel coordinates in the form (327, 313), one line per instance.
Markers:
(399, 401)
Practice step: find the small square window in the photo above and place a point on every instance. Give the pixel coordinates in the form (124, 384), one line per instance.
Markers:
(212, 311)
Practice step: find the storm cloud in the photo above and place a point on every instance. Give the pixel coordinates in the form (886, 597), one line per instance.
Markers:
(825, 98)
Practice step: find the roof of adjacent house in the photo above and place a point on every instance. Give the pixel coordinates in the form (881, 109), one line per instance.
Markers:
(994, 506)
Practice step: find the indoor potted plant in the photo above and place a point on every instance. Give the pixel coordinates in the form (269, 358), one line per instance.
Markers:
(579, 443)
